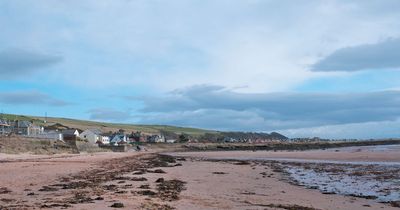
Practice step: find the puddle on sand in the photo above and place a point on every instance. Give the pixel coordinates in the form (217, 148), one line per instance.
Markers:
(379, 182)
(377, 148)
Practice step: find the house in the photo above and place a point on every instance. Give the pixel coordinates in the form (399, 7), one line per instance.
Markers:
(118, 139)
(156, 139)
(4, 127)
(170, 141)
(92, 135)
(230, 140)
(26, 128)
(104, 139)
(135, 137)
(70, 134)
(51, 135)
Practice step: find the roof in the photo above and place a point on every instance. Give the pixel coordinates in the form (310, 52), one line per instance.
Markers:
(94, 131)
(117, 138)
(3, 123)
(69, 132)
(24, 124)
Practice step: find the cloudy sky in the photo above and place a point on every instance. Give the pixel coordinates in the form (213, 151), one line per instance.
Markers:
(311, 68)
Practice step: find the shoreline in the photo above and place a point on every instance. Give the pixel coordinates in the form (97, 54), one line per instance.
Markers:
(149, 180)
(282, 146)
(363, 154)
(223, 184)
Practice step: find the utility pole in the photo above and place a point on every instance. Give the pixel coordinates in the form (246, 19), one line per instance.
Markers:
(3, 122)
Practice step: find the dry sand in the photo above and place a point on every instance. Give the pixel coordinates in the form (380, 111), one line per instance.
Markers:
(209, 184)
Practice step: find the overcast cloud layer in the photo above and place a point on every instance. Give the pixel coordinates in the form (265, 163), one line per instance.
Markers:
(382, 55)
(17, 63)
(29, 98)
(313, 67)
(271, 111)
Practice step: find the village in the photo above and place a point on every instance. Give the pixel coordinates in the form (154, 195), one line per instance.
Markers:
(108, 138)
(93, 136)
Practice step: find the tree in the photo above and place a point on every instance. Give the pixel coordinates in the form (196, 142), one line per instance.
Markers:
(184, 137)
(169, 134)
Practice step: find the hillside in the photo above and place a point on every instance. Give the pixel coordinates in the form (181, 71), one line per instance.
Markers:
(172, 132)
(85, 124)
(18, 144)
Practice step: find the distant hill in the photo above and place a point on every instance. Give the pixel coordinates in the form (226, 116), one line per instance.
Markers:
(253, 135)
(166, 130)
(63, 123)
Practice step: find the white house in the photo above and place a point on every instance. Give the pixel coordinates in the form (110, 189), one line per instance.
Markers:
(170, 141)
(91, 135)
(156, 139)
(118, 139)
(105, 139)
(54, 135)
(4, 127)
(26, 128)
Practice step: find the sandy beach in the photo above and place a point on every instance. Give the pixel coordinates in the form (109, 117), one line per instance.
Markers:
(146, 180)
(383, 153)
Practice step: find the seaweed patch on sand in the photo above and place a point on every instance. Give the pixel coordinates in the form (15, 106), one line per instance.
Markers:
(106, 183)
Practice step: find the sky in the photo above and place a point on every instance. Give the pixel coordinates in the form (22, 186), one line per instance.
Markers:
(326, 68)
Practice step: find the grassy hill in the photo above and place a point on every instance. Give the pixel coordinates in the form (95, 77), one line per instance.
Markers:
(85, 124)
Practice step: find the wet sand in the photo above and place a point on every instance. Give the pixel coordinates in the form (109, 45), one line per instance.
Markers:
(225, 185)
(386, 153)
(260, 179)
(107, 180)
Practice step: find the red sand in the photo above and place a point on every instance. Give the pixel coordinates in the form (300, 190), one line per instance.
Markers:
(239, 187)
(344, 154)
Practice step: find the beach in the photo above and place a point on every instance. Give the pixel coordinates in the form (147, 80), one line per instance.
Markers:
(184, 180)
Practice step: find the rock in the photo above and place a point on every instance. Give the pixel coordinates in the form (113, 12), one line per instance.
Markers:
(157, 171)
(218, 172)
(4, 190)
(145, 186)
(147, 192)
(160, 180)
(117, 205)
(138, 179)
(48, 189)
(395, 203)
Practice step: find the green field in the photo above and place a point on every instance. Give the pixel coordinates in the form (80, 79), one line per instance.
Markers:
(85, 124)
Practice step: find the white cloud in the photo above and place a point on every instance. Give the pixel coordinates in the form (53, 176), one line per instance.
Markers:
(109, 114)
(30, 97)
(216, 107)
(18, 63)
(378, 56)
(180, 43)
(252, 49)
